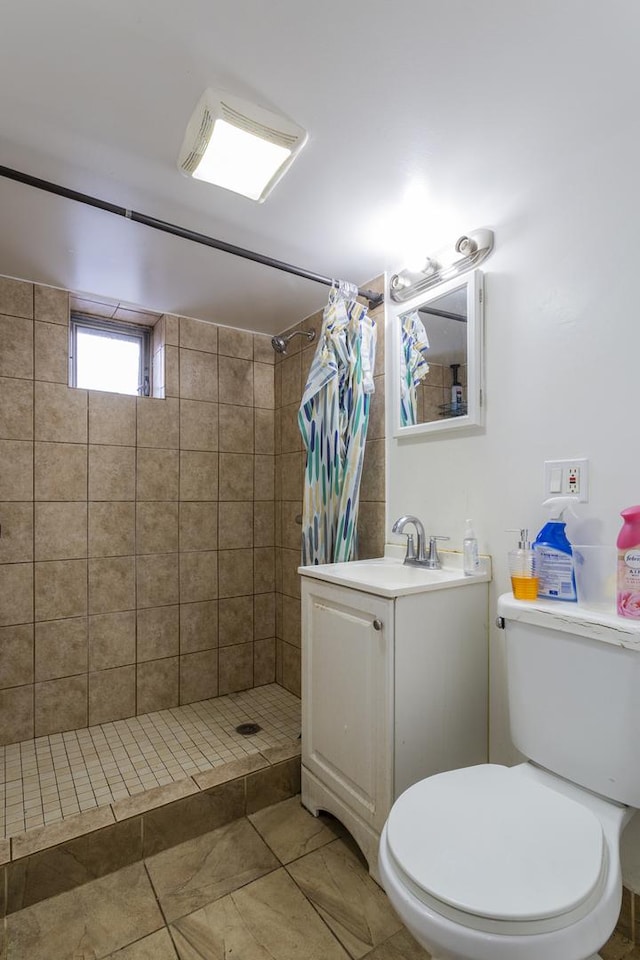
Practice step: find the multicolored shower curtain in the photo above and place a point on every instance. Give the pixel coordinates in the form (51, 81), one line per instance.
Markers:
(413, 365)
(333, 420)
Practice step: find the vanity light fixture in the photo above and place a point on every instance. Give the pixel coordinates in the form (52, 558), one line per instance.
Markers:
(467, 252)
(239, 146)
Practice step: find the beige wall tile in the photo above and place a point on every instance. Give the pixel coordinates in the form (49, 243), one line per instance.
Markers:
(16, 714)
(16, 347)
(291, 380)
(198, 525)
(51, 304)
(235, 621)
(236, 573)
(264, 386)
(198, 335)
(235, 668)
(198, 375)
(372, 485)
(158, 422)
(291, 669)
(60, 705)
(171, 372)
(264, 662)
(61, 413)
(157, 685)
(198, 676)
(198, 425)
(16, 470)
(198, 475)
(371, 529)
(263, 352)
(264, 569)
(156, 527)
(264, 478)
(158, 633)
(112, 694)
(198, 626)
(291, 530)
(264, 616)
(157, 474)
(171, 329)
(236, 381)
(236, 429)
(16, 593)
(60, 471)
(264, 431)
(112, 586)
(376, 428)
(112, 529)
(16, 297)
(198, 576)
(16, 542)
(16, 409)
(291, 621)
(235, 343)
(157, 580)
(290, 438)
(60, 589)
(112, 419)
(290, 575)
(51, 355)
(264, 524)
(16, 655)
(112, 640)
(236, 476)
(292, 476)
(61, 648)
(60, 531)
(235, 524)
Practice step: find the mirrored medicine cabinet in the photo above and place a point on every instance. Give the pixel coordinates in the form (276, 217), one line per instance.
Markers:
(437, 359)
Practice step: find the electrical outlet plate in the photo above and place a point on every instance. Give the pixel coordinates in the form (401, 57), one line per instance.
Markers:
(567, 478)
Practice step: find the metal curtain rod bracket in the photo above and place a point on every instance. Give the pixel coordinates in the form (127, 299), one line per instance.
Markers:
(374, 299)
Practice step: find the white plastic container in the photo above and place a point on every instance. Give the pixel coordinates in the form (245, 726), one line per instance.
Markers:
(595, 572)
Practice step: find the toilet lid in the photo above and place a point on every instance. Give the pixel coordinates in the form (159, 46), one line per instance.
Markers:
(492, 844)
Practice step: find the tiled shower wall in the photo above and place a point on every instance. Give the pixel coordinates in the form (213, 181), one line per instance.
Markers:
(137, 535)
(291, 376)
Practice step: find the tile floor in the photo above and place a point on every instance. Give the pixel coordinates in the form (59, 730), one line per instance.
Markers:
(50, 778)
(278, 885)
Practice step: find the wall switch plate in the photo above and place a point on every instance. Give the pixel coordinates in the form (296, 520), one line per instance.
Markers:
(567, 478)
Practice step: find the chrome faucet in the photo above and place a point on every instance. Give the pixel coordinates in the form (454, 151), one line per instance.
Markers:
(415, 555)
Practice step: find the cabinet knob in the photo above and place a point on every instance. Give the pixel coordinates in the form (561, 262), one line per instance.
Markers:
(377, 624)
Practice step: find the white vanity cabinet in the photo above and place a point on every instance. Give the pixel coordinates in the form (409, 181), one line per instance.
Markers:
(394, 689)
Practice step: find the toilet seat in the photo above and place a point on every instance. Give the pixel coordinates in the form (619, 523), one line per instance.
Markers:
(497, 851)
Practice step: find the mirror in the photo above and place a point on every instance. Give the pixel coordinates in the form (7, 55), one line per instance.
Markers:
(438, 357)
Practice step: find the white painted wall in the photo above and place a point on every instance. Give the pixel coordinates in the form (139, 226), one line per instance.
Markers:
(562, 322)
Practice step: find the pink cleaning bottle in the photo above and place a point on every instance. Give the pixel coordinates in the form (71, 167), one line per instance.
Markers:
(628, 580)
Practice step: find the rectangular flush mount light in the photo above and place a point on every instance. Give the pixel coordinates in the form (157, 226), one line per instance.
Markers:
(236, 145)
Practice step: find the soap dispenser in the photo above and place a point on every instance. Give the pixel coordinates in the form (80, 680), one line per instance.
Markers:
(522, 567)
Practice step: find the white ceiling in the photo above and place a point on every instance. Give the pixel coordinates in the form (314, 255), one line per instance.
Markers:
(427, 118)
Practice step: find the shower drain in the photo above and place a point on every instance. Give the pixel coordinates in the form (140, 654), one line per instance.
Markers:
(247, 729)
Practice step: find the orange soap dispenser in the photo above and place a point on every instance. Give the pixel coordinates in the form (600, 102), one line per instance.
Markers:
(522, 568)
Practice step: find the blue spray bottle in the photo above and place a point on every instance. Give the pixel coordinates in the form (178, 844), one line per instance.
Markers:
(554, 556)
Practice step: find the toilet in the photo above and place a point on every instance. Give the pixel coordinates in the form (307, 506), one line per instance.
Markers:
(523, 863)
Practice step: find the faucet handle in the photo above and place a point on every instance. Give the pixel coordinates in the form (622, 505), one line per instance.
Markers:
(411, 548)
(433, 560)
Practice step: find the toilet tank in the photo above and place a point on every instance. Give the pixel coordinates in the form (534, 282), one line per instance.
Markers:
(573, 679)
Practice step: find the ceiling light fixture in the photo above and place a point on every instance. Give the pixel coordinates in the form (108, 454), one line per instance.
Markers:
(236, 145)
(467, 252)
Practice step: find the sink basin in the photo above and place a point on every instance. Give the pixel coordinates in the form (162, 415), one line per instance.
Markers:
(390, 577)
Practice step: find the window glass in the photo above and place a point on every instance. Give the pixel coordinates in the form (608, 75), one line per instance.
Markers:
(111, 357)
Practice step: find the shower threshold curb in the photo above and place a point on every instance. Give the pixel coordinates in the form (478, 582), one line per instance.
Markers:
(57, 857)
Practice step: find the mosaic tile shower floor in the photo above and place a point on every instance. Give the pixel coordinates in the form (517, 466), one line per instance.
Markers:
(50, 778)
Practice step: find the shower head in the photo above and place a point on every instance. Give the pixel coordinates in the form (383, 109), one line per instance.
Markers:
(279, 344)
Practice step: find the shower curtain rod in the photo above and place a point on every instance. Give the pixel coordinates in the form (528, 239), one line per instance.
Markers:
(374, 298)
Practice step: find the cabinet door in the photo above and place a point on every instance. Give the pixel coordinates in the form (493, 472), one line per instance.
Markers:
(347, 695)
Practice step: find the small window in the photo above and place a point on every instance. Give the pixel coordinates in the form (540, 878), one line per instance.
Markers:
(105, 355)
